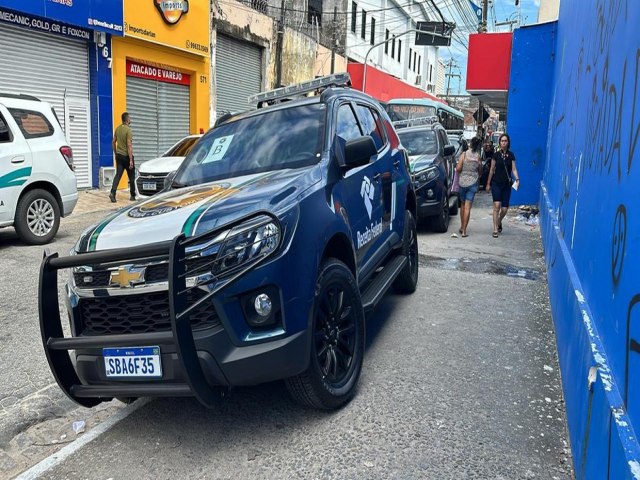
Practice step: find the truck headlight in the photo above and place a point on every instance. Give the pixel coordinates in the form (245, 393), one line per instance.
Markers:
(245, 244)
(426, 175)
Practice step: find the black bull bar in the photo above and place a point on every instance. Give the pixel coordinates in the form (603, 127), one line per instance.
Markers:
(57, 346)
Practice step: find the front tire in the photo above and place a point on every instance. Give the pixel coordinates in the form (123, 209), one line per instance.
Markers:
(407, 281)
(37, 217)
(337, 341)
(440, 223)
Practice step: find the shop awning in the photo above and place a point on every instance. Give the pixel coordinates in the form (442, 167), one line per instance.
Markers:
(488, 68)
(383, 86)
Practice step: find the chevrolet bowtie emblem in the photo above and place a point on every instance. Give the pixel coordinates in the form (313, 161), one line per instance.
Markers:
(126, 277)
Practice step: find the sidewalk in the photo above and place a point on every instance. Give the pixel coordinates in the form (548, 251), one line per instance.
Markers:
(96, 200)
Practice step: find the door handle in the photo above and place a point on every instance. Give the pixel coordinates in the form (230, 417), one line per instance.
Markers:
(18, 159)
(376, 176)
(396, 163)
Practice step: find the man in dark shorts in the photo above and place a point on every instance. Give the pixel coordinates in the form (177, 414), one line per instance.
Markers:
(123, 148)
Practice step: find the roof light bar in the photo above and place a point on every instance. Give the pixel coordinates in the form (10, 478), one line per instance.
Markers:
(415, 122)
(297, 89)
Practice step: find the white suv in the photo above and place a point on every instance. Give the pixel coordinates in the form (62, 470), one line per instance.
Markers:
(37, 183)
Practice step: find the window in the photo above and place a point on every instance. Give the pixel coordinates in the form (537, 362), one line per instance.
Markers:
(414, 61)
(314, 12)
(386, 43)
(363, 27)
(430, 73)
(399, 50)
(393, 48)
(419, 142)
(31, 124)
(370, 126)
(419, 60)
(354, 11)
(5, 133)
(373, 31)
(182, 148)
(259, 5)
(347, 127)
(410, 58)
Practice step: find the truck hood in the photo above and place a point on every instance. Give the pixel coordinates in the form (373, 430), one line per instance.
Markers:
(160, 165)
(196, 209)
(420, 162)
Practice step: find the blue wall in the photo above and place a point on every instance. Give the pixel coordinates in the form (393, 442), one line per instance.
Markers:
(590, 205)
(531, 75)
(101, 109)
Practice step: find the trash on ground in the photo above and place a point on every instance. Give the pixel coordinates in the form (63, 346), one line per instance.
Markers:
(78, 427)
(454, 235)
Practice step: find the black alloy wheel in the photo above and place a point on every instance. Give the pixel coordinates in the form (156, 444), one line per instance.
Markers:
(407, 280)
(337, 341)
(440, 223)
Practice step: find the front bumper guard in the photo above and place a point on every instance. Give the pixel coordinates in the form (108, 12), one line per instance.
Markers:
(178, 250)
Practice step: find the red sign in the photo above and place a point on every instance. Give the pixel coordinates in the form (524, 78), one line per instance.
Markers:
(152, 72)
(489, 62)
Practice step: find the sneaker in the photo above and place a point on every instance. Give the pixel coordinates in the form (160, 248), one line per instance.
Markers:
(112, 196)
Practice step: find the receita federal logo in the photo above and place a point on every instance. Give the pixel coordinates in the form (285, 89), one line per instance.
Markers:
(172, 10)
(367, 191)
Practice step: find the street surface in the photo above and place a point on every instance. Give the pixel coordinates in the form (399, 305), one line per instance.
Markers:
(460, 381)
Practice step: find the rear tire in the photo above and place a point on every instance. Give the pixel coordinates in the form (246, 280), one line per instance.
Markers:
(337, 341)
(37, 217)
(453, 211)
(440, 223)
(407, 281)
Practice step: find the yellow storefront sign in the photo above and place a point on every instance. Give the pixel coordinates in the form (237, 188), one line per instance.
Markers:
(181, 24)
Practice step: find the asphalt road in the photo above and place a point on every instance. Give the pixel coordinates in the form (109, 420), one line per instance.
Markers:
(460, 381)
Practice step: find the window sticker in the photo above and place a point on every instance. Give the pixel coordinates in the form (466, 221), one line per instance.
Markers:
(218, 149)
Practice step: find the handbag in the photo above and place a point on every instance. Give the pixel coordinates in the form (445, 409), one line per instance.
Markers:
(455, 188)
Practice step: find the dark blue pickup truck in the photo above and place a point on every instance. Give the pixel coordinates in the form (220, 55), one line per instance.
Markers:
(283, 227)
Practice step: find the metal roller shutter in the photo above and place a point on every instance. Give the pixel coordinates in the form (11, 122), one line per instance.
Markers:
(159, 116)
(238, 74)
(51, 68)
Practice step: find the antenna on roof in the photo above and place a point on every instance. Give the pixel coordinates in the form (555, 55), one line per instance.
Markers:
(298, 89)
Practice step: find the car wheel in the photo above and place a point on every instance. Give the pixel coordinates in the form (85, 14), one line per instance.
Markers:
(453, 211)
(440, 223)
(407, 281)
(37, 217)
(337, 341)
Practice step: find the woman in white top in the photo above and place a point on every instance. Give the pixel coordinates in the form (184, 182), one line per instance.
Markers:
(469, 169)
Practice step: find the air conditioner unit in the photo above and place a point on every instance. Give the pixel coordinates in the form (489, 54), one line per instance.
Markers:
(418, 79)
(106, 176)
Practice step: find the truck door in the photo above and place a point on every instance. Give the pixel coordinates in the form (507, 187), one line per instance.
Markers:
(15, 165)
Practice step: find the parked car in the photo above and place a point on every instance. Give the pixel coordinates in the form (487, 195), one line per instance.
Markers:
(432, 164)
(151, 174)
(282, 227)
(37, 180)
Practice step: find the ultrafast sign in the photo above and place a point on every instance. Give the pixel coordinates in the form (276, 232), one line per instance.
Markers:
(103, 15)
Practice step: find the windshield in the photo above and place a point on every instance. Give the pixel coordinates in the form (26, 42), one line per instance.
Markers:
(275, 140)
(407, 112)
(182, 148)
(419, 142)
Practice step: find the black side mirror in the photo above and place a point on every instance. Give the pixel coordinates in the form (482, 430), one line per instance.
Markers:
(359, 151)
(449, 150)
(168, 180)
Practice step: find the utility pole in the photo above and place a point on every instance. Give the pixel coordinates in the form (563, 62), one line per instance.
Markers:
(334, 39)
(482, 28)
(279, 47)
(450, 65)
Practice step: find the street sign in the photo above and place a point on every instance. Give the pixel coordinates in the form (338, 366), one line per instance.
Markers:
(436, 34)
(485, 115)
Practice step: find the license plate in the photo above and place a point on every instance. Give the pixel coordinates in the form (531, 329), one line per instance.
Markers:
(132, 362)
(149, 186)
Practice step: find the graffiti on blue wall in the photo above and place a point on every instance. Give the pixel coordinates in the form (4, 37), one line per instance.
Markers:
(591, 183)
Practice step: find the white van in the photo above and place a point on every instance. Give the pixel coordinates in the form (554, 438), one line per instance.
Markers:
(37, 181)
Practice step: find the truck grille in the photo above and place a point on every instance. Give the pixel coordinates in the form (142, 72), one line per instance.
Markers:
(156, 178)
(143, 313)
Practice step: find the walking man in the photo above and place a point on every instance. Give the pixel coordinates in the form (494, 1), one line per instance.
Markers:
(123, 148)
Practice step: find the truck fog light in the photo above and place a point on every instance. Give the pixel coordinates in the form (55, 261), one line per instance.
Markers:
(430, 193)
(263, 305)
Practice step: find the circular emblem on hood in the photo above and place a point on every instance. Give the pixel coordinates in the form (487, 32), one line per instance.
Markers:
(180, 200)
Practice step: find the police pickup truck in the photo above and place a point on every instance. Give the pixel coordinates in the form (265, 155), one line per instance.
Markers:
(282, 228)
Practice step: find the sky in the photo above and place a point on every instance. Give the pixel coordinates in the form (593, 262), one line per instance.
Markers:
(499, 11)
